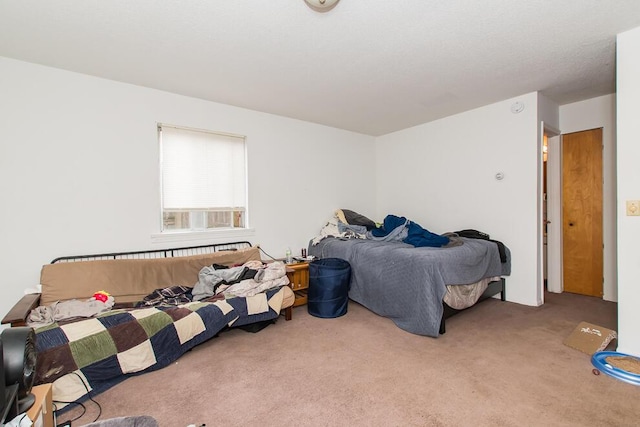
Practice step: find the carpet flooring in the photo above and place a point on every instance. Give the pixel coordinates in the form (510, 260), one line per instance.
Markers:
(499, 364)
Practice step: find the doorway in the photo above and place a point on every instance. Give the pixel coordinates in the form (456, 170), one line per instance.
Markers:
(553, 209)
(553, 223)
(550, 212)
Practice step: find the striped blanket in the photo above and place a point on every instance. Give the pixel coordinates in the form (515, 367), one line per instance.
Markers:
(91, 355)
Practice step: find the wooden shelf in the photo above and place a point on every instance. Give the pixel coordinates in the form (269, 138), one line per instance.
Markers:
(301, 297)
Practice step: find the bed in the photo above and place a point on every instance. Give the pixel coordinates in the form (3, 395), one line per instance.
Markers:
(89, 356)
(410, 285)
(84, 356)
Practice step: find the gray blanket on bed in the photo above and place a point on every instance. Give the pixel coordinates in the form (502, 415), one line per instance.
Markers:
(407, 284)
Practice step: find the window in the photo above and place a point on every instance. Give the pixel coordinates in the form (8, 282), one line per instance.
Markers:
(203, 179)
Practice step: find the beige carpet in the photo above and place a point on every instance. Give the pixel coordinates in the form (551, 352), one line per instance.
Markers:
(499, 364)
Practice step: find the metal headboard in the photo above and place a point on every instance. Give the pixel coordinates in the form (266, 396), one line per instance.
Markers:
(158, 253)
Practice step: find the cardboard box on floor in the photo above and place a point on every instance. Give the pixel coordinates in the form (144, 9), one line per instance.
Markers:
(590, 338)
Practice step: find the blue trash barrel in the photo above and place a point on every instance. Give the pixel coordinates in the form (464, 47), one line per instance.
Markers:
(329, 281)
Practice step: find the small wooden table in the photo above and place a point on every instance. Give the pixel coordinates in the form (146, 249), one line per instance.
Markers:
(298, 274)
(41, 413)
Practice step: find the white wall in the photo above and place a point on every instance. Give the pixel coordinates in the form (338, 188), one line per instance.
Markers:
(79, 170)
(548, 111)
(590, 114)
(442, 175)
(628, 178)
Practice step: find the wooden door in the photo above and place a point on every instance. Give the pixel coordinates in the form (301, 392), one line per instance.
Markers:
(582, 212)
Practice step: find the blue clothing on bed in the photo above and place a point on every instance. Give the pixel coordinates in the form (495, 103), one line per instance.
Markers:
(390, 223)
(419, 237)
(392, 230)
(416, 235)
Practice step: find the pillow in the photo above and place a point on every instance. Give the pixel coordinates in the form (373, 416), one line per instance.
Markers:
(354, 218)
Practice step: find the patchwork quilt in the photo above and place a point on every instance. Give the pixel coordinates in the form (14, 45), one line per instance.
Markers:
(91, 355)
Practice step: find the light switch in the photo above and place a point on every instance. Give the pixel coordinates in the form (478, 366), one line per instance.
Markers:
(633, 207)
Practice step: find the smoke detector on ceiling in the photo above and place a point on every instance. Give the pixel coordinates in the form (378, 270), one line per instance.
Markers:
(321, 5)
(517, 107)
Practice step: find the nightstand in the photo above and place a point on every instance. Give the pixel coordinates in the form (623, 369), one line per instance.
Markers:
(298, 274)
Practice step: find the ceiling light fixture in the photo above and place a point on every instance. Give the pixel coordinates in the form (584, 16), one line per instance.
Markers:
(321, 5)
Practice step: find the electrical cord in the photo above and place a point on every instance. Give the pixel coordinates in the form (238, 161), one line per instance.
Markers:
(84, 411)
(262, 250)
(22, 419)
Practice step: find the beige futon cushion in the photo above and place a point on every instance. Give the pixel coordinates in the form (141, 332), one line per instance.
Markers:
(130, 280)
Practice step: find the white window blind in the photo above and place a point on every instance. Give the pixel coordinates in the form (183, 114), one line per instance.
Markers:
(202, 171)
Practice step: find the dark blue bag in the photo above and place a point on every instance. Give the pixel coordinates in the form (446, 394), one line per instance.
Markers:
(329, 282)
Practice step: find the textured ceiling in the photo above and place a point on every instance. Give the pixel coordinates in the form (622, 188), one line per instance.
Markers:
(371, 66)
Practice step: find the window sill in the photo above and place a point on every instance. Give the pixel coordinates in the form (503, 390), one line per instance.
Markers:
(203, 237)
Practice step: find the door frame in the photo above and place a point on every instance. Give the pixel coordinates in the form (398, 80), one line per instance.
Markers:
(554, 215)
(554, 263)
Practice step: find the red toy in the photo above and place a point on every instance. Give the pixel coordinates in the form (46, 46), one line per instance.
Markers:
(101, 296)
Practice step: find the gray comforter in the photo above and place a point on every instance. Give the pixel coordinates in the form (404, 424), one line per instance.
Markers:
(407, 284)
